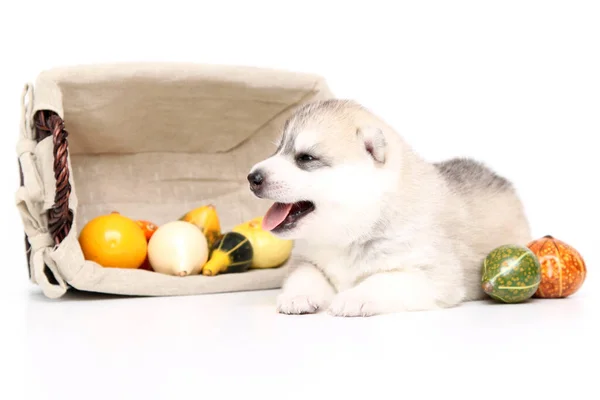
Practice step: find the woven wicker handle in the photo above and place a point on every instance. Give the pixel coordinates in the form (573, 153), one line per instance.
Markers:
(60, 217)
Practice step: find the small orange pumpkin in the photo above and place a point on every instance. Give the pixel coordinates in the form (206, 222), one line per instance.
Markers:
(149, 228)
(563, 268)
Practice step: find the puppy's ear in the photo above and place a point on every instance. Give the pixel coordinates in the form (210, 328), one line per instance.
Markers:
(374, 142)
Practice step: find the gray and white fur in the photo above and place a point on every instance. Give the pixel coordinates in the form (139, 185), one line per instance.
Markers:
(390, 231)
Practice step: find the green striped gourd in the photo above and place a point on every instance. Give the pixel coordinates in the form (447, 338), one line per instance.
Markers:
(511, 274)
(232, 253)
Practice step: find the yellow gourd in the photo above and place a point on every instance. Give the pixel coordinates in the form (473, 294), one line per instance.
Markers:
(207, 219)
(269, 251)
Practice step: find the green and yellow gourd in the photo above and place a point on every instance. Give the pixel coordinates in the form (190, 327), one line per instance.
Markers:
(511, 274)
(231, 253)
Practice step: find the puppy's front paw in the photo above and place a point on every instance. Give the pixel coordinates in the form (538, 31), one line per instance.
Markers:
(298, 304)
(352, 303)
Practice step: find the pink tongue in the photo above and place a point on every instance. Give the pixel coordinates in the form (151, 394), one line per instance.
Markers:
(276, 215)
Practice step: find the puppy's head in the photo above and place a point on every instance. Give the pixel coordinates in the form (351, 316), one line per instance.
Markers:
(328, 176)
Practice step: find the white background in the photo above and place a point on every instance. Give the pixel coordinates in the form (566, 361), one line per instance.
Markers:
(513, 83)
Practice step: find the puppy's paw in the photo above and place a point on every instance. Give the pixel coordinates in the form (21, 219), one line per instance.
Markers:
(352, 303)
(299, 304)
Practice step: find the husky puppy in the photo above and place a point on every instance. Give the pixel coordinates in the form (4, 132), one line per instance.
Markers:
(378, 229)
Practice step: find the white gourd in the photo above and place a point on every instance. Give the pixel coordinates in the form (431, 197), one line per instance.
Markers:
(178, 248)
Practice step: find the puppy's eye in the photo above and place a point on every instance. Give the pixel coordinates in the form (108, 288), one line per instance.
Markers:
(304, 158)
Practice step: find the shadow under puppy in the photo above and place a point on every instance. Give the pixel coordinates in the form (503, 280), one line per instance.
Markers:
(378, 229)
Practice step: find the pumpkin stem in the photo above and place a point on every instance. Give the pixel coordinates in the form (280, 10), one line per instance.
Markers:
(548, 237)
(487, 287)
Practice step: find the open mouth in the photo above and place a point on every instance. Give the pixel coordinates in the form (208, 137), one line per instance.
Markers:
(284, 216)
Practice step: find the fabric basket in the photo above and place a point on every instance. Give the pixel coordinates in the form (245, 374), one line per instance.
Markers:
(151, 141)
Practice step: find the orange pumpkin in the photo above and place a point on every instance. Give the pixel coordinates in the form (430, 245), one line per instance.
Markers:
(563, 268)
(146, 265)
(149, 228)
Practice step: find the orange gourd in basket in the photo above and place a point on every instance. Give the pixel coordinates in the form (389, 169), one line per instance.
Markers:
(149, 228)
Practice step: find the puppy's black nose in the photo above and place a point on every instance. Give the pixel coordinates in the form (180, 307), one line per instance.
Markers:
(256, 179)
